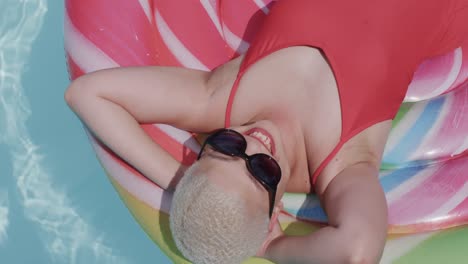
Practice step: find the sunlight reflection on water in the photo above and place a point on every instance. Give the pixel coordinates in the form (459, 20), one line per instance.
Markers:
(65, 235)
(4, 219)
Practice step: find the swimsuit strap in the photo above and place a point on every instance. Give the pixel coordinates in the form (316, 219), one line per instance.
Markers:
(372, 68)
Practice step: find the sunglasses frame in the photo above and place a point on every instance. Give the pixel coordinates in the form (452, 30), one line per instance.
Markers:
(248, 159)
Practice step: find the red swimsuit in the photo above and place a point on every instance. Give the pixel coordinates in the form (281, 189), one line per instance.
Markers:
(373, 47)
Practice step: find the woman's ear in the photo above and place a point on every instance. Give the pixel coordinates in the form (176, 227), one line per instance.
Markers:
(274, 217)
(279, 206)
(274, 229)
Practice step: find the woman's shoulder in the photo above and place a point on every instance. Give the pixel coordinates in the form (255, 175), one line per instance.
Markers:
(365, 147)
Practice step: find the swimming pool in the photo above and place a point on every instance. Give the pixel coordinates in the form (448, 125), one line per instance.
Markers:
(56, 204)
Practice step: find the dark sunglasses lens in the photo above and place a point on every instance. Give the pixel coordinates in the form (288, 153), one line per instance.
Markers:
(266, 168)
(228, 142)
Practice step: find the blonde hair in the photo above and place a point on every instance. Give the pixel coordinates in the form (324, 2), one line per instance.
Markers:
(210, 225)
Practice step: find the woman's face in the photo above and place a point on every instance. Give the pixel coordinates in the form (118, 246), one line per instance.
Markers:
(232, 174)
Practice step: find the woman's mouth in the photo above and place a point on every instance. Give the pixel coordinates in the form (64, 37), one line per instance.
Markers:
(263, 137)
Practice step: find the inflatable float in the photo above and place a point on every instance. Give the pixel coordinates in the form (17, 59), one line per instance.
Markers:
(425, 167)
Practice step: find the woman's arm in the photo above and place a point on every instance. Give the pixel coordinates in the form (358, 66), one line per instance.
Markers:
(357, 213)
(112, 103)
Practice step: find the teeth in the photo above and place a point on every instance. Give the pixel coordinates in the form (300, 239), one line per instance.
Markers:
(266, 140)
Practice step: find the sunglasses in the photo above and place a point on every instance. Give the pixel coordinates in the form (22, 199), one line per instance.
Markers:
(261, 166)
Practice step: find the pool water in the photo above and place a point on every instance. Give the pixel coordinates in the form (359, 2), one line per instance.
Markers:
(56, 203)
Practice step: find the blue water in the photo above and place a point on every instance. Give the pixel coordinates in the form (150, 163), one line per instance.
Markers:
(56, 204)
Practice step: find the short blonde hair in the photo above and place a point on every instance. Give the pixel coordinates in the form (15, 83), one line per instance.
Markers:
(210, 225)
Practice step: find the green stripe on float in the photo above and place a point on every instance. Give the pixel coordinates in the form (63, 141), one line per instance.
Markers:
(448, 247)
(151, 221)
(404, 108)
(388, 166)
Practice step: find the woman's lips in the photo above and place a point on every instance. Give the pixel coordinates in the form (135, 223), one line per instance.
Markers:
(263, 137)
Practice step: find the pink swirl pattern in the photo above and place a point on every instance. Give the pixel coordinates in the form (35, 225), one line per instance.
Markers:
(204, 34)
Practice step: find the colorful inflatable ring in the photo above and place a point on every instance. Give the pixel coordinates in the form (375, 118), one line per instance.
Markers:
(424, 170)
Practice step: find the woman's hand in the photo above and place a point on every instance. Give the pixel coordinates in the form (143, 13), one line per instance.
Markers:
(357, 212)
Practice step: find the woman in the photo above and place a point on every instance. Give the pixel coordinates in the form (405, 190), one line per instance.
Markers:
(309, 108)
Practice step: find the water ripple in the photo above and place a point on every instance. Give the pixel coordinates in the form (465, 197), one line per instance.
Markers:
(4, 218)
(66, 236)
